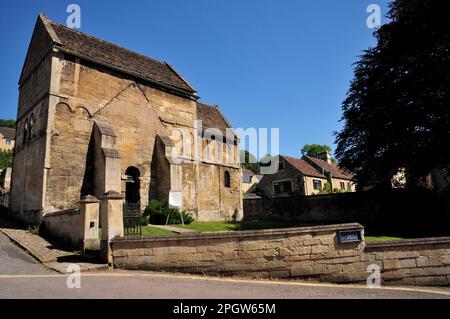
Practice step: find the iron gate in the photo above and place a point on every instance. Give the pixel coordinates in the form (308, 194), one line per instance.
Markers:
(132, 220)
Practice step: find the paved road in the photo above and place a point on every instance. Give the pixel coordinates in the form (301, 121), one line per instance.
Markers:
(22, 277)
(15, 261)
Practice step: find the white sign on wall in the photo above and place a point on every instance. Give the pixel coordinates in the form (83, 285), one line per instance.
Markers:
(175, 199)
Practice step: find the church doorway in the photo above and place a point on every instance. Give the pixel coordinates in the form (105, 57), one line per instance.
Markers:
(133, 185)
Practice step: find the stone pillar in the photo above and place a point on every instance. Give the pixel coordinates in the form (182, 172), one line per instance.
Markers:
(111, 220)
(90, 212)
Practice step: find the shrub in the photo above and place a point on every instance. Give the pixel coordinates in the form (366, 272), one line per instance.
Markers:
(145, 220)
(35, 229)
(157, 211)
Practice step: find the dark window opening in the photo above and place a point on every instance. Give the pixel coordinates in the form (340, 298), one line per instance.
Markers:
(281, 165)
(317, 185)
(25, 131)
(282, 187)
(133, 186)
(227, 179)
(343, 186)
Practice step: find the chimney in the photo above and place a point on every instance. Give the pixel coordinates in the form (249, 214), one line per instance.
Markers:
(326, 156)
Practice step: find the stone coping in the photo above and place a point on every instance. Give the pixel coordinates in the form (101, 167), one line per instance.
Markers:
(313, 230)
(407, 242)
(74, 211)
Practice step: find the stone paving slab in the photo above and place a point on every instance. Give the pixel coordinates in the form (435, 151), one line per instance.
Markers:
(53, 257)
(177, 230)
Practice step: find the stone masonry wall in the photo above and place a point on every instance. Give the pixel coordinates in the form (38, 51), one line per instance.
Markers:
(65, 225)
(305, 253)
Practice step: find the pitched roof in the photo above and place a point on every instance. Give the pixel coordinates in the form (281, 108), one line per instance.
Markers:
(212, 117)
(8, 133)
(303, 166)
(336, 171)
(111, 55)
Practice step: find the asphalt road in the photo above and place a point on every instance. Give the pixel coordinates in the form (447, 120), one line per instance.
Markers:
(22, 277)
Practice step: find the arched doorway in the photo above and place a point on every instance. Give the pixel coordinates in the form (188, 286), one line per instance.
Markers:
(133, 185)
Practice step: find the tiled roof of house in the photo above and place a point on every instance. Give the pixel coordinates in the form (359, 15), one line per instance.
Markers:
(212, 117)
(8, 133)
(336, 171)
(112, 55)
(303, 166)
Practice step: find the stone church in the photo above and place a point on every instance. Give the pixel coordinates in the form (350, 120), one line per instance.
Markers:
(95, 117)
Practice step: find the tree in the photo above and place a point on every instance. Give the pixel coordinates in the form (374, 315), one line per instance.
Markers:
(7, 123)
(248, 161)
(6, 159)
(314, 150)
(397, 113)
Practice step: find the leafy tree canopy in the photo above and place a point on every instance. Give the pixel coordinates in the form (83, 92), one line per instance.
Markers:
(397, 111)
(314, 150)
(6, 159)
(248, 160)
(7, 123)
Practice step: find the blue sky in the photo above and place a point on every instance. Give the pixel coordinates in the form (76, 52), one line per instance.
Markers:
(283, 64)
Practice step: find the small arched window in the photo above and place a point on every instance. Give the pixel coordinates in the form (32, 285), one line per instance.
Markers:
(31, 128)
(227, 179)
(25, 131)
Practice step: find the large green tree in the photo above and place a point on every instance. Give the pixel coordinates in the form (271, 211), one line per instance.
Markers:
(7, 123)
(248, 160)
(6, 159)
(397, 111)
(315, 150)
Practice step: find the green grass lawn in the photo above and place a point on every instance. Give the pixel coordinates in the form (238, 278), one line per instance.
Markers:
(244, 225)
(153, 231)
(255, 225)
(381, 238)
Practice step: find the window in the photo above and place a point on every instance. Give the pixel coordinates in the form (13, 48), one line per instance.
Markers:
(8, 142)
(349, 186)
(31, 128)
(342, 186)
(227, 179)
(25, 131)
(317, 184)
(281, 165)
(282, 187)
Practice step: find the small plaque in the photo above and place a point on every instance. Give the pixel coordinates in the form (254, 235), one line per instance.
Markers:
(175, 199)
(350, 236)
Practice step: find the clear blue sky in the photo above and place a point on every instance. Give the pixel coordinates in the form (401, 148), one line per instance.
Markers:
(284, 64)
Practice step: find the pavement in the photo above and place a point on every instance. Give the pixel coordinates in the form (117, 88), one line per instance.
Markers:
(51, 255)
(177, 230)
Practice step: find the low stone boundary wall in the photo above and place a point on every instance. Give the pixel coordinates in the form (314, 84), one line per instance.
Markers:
(65, 225)
(306, 253)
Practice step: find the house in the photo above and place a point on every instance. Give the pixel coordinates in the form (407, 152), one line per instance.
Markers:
(249, 180)
(304, 176)
(94, 117)
(7, 137)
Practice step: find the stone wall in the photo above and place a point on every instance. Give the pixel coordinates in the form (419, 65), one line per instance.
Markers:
(304, 253)
(65, 225)
(397, 212)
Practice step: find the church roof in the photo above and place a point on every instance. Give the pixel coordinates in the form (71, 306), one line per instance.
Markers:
(111, 55)
(212, 117)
